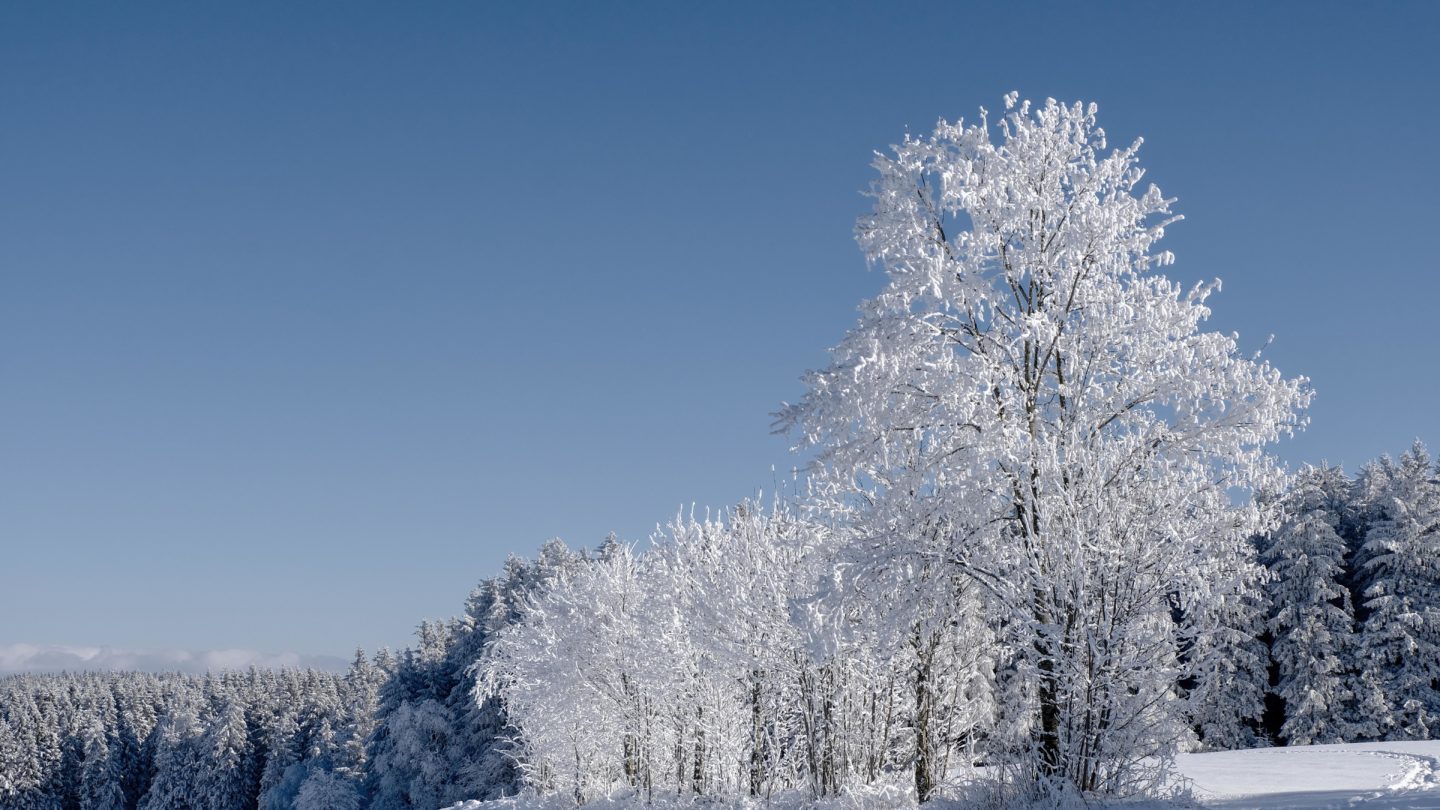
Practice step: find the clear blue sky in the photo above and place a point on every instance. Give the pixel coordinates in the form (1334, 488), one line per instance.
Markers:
(311, 313)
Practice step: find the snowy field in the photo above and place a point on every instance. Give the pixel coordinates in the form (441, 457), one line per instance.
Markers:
(1383, 776)
(1363, 776)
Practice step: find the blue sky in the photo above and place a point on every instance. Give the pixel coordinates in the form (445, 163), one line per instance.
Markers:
(311, 313)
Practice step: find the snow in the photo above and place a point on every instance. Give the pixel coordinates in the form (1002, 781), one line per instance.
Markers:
(1363, 776)
(1383, 776)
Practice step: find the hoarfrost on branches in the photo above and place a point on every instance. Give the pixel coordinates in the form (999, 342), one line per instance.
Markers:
(1029, 403)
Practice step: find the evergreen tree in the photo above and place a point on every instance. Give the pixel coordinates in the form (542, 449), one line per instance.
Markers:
(179, 759)
(1400, 638)
(1226, 660)
(280, 780)
(224, 779)
(357, 721)
(412, 770)
(100, 787)
(13, 761)
(1312, 623)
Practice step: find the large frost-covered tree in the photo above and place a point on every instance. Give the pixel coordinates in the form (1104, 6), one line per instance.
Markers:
(1028, 403)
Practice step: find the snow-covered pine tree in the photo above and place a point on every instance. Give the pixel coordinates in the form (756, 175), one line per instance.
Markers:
(413, 769)
(432, 686)
(10, 762)
(1364, 507)
(223, 779)
(134, 718)
(1400, 637)
(481, 746)
(409, 764)
(357, 721)
(21, 774)
(478, 748)
(1312, 622)
(1226, 663)
(179, 759)
(280, 779)
(99, 779)
(1028, 388)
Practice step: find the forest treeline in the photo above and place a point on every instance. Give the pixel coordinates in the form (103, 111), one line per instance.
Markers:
(709, 664)
(395, 731)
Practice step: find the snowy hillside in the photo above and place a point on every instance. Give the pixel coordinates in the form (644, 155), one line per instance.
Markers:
(1377, 776)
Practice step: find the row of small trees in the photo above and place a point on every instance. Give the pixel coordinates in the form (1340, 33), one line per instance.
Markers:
(714, 664)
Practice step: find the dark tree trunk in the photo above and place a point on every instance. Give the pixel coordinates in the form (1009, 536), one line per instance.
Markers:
(924, 737)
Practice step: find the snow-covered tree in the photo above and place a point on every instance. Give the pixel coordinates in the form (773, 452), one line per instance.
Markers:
(324, 790)
(571, 675)
(1400, 637)
(357, 723)
(179, 759)
(1224, 660)
(11, 758)
(223, 780)
(661, 672)
(21, 772)
(99, 780)
(280, 780)
(430, 693)
(1027, 402)
(922, 622)
(1312, 622)
(127, 740)
(480, 748)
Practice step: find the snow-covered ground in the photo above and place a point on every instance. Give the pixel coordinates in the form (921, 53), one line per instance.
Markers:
(1379, 776)
(1361, 776)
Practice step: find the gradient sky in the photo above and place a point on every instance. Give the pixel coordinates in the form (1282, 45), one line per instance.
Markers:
(311, 313)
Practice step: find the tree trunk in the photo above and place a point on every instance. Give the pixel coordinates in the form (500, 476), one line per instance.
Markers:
(757, 731)
(697, 780)
(1049, 695)
(924, 709)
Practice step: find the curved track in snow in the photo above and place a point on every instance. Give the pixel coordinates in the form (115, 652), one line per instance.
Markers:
(1372, 776)
(1422, 772)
